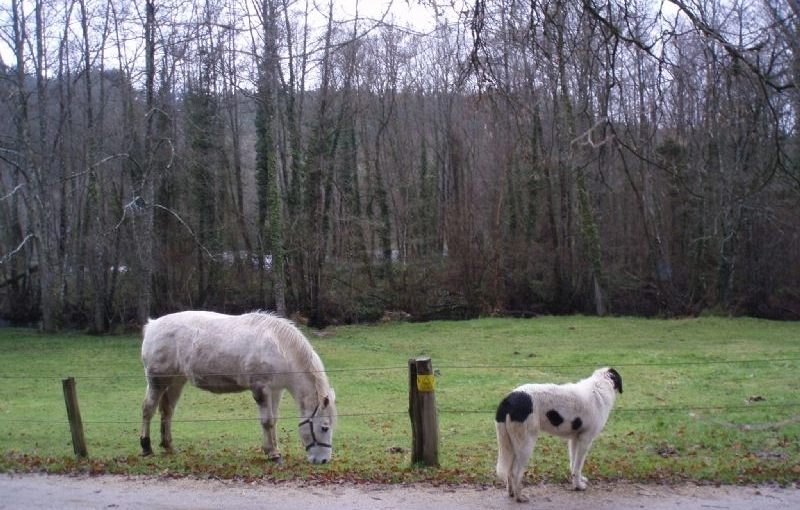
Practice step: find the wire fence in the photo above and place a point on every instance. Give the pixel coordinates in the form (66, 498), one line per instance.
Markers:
(691, 409)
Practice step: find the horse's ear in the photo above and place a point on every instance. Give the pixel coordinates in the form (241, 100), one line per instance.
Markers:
(329, 399)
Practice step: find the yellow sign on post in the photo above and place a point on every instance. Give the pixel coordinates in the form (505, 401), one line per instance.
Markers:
(425, 383)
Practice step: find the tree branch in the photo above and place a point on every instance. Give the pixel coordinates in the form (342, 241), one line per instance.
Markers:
(733, 50)
(13, 252)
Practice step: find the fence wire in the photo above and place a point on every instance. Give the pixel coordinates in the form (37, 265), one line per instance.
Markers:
(690, 410)
(440, 368)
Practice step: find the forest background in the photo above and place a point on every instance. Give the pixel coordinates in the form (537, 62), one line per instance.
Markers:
(311, 157)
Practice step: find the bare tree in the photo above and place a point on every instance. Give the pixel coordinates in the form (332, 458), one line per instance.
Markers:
(521, 156)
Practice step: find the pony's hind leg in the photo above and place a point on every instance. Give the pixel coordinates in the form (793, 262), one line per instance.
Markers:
(578, 449)
(523, 442)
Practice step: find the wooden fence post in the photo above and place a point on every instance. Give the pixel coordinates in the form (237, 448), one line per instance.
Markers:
(422, 411)
(74, 416)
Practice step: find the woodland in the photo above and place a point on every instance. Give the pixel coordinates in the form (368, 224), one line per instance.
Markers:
(343, 162)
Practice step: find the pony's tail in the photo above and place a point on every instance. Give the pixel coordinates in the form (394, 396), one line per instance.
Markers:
(505, 450)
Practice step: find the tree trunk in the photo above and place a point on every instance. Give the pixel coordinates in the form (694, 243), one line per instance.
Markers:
(145, 229)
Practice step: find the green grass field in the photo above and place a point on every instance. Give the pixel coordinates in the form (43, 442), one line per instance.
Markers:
(710, 399)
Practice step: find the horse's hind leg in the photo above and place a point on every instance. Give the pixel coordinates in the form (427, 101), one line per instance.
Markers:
(155, 389)
(167, 406)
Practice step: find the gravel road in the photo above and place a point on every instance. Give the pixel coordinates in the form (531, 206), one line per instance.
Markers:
(39, 492)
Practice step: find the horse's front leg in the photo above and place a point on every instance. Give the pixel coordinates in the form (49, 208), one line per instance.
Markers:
(267, 402)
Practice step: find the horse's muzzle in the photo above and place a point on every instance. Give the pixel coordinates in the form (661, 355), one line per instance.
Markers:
(319, 459)
(318, 451)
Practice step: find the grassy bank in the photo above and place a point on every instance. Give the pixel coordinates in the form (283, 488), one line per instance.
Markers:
(710, 399)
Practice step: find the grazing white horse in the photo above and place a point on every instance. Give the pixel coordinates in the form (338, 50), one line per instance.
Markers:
(259, 352)
(576, 411)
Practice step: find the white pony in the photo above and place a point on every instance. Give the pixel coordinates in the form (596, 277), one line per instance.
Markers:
(221, 353)
(576, 411)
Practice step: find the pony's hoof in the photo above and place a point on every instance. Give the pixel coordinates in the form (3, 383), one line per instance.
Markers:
(277, 458)
(579, 483)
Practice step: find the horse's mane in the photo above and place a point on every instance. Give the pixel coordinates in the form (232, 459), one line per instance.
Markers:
(293, 344)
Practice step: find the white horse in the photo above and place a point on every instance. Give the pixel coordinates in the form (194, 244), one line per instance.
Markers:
(221, 353)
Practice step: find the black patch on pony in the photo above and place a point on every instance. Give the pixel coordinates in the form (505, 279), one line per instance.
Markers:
(577, 423)
(616, 379)
(518, 405)
(554, 418)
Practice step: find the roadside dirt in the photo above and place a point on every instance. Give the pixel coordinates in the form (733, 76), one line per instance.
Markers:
(39, 492)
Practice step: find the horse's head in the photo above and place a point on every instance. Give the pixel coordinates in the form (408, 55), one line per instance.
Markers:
(316, 431)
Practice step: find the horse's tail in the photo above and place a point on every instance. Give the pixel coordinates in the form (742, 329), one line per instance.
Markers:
(505, 450)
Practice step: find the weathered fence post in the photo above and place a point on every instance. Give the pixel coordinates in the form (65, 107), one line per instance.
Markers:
(74, 416)
(422, 411)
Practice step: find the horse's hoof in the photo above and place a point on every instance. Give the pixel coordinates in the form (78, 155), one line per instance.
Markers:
(147, 450)
(277, 458)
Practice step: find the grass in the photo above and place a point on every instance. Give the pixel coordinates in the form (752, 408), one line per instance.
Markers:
(712, 400)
